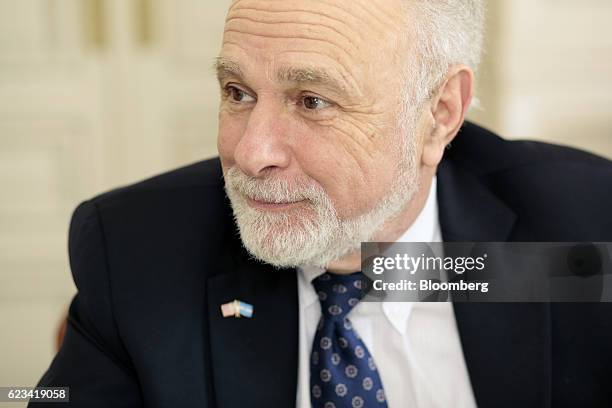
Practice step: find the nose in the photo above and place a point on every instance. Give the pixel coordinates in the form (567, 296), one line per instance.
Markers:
(263, 146)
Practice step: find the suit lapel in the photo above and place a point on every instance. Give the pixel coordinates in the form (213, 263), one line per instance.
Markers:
(254, 361)
(506, 346)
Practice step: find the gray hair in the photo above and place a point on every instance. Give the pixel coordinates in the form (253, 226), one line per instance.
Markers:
(447, 32)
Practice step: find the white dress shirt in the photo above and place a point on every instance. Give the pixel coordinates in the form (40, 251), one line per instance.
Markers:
(416, 346)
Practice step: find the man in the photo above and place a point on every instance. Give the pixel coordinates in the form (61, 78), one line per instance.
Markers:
(335, 127)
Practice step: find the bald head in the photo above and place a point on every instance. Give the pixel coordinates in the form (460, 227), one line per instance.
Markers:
(426, 37)
(359, 37)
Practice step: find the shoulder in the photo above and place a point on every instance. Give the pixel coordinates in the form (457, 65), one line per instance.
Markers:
(187, 195)
(206, 174)
(485, 152)
(181, 216)
(566, 193)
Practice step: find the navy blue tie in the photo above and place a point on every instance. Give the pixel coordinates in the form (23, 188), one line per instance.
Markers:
(342, 371)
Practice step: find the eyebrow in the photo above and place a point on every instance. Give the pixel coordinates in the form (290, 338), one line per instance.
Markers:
(310, 75)
(227, 68)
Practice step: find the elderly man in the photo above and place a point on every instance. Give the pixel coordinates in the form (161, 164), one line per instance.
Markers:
(335, 127)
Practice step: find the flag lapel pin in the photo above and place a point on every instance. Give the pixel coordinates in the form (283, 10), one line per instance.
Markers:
(237, 309)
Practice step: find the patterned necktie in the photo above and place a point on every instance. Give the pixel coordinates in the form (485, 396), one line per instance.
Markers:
(342, 371)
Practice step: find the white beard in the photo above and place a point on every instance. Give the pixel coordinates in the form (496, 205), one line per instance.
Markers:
(312, 234)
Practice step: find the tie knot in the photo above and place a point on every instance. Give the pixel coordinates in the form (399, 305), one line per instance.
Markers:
(339, 293)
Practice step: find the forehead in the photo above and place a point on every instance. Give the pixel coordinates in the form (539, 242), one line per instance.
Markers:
(352, 37)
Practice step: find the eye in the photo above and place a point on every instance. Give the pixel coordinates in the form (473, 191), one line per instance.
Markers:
(238, 95)
(314, 103)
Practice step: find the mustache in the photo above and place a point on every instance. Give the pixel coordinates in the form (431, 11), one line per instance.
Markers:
(273, 190)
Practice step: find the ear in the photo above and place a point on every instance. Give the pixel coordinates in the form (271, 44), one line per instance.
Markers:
(448, 109)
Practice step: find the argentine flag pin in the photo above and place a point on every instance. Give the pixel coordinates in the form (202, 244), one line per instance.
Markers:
(237, 309)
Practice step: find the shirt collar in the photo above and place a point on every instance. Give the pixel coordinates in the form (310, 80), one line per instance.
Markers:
(426, 228)
(306, 275)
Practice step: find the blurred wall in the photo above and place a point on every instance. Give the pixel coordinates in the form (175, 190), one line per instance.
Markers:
(99, 93)
(547, 72)
(93, 94)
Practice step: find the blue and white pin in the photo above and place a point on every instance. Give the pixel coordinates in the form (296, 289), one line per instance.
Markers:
(237, 309)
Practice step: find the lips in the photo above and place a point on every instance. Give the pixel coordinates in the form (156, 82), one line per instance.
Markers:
(272, 206)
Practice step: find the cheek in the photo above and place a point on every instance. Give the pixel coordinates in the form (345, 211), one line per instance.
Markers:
(231, 129)
(354, 179)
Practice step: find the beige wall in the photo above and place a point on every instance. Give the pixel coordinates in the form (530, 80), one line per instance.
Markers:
(98, 93)
(547, 73)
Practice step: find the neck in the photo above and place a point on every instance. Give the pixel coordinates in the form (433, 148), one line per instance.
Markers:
(391, 230)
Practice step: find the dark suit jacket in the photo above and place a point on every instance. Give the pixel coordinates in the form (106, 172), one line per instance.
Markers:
(154, 261)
